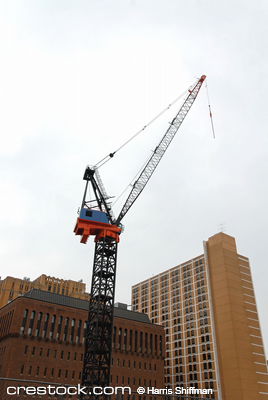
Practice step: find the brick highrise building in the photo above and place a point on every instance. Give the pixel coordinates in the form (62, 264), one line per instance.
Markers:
(207, 306)
(42, 338)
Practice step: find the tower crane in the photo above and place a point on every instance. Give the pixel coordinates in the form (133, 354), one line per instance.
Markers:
(100, 222)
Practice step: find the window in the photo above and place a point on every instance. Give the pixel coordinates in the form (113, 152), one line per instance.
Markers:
(78, 331)
(31, 323)
(23, 321)
(125, 339)
(84, 333)
(130, 340)
(72, 330)
(21, 370)
(119, 338)
(52, 326)
(59, 328)
(38, 324)
(146, 343)
(45, 326)
(114, 335)
(65, 329)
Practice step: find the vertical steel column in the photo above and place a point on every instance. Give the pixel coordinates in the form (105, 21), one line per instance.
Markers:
(98, 345)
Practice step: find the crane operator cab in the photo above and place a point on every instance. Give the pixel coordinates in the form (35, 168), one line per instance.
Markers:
(91, 222)
(93, 215)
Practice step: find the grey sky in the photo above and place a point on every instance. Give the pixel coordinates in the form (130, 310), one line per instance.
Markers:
(78, 78)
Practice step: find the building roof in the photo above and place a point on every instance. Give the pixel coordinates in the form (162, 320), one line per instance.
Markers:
(120, 310)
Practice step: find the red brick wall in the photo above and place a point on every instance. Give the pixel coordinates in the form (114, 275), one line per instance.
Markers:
(46, 359)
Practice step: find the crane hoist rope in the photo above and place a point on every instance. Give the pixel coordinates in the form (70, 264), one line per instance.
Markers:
(210, 113)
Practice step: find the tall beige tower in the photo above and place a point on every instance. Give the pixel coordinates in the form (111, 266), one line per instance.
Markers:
(213, 338)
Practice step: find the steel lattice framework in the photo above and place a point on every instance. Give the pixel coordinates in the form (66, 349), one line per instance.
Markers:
(96, 370)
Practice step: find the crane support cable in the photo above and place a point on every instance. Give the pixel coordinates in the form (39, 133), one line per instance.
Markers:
(210, 113)
(131, 184)
(109, 156)
(160, 150)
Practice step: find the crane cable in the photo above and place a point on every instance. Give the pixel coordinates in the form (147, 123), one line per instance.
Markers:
(109, 156)
(132, 184)
(210, 113)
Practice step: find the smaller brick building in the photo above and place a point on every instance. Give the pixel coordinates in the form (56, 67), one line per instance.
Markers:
(42, 337)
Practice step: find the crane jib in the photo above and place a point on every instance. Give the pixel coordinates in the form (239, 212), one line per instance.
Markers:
(160, 150)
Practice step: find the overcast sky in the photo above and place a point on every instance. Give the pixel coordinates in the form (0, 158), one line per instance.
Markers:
(78, 78)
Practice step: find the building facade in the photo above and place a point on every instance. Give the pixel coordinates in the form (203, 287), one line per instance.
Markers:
(42, 337)
(208, 309)
(10, 287)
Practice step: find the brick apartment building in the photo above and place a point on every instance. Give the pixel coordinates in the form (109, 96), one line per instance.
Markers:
(208, 308)
(42, 338)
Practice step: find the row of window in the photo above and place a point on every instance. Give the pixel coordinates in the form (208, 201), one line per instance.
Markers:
(200, 282)
(54, 353)
(52, 373)
(57, 290)
(139, 342)
(174, 298)
(174, 276)
(192, 367)
(59, 330)
(5, 323)
(134, 366)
